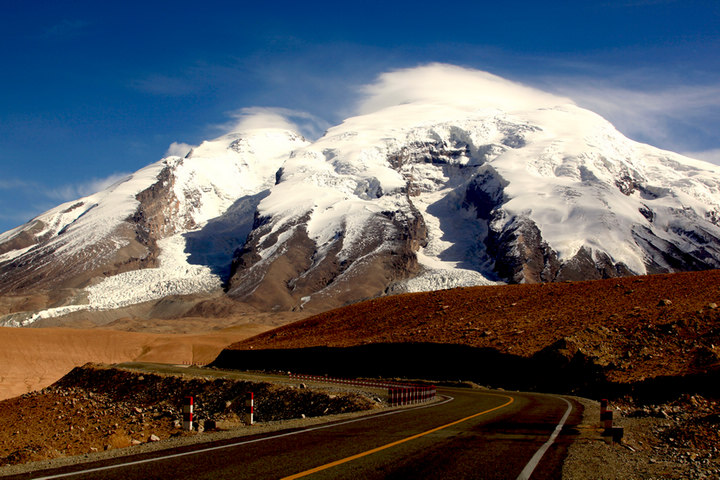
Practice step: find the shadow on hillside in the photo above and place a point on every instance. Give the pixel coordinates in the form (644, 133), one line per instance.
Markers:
(466, 235)
(214, 245)
(445, 362)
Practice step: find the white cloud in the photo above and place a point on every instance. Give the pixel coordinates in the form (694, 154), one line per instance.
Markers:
(178, 149)
(83, 189)
(444, 84)
(643, 104)
(677, 117)
(274, 117)
(712, 156)
(15, 184)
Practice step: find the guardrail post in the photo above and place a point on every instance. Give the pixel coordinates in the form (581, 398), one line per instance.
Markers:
(249, 408)
(188, 413)
(607, 419)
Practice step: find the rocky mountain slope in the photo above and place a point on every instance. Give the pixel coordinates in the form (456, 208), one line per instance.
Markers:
(141, 239)
(464, 179)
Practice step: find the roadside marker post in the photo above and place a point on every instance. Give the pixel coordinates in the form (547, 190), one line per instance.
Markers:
(607, 419)
(188, 413)
(250, 408)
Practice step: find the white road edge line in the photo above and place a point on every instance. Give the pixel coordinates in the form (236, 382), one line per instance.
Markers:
(530, 467)
(236, 444)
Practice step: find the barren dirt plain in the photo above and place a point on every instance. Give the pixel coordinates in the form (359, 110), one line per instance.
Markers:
(33, 358)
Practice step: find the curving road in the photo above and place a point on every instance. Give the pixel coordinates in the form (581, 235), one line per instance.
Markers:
(469, 434)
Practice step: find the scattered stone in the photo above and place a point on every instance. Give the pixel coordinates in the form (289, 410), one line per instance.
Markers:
(154, 438)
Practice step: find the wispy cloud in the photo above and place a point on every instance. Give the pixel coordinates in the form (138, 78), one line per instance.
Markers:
(21, 200)
(16, 184)
(712, 156)
(439, 83)
(178, 149)
(274, 117)
(667, 111)
(17, 217)
(83, 189)
(678, 117)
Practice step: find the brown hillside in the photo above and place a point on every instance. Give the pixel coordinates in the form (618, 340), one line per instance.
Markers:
(33, 358)
(632, 327)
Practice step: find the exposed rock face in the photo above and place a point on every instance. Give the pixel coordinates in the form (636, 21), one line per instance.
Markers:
(130, 245)
(295, 270)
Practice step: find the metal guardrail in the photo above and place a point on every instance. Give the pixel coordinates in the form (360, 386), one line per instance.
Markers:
(398, 393)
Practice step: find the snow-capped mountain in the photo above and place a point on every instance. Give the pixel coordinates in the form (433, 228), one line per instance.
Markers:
(140, 239)
(486, 181)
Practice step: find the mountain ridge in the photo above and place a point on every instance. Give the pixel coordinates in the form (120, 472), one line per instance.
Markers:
(431, 188)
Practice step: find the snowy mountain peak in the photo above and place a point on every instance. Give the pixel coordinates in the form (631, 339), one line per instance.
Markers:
(462, 178)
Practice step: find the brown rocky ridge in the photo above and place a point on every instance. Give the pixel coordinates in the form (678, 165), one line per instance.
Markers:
(628, 329)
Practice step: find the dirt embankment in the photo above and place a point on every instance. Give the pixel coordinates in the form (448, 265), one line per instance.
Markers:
(676, 439)
(627, 329)
(96, 408)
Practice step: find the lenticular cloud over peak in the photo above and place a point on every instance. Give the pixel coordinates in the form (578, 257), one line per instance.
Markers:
(443, 84)
(251, 118)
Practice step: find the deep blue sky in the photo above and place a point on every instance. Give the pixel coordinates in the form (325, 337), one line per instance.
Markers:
(93, 89)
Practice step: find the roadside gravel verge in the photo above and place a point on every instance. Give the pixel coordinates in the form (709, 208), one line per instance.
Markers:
(97, 411)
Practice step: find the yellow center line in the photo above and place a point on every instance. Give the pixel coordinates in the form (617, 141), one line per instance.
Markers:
(398, 442)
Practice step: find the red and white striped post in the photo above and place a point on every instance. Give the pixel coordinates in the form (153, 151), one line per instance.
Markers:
(607, 419)
(188, 413)
(249, 408)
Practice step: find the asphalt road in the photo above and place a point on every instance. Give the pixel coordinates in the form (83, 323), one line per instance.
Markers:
(471, 434)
